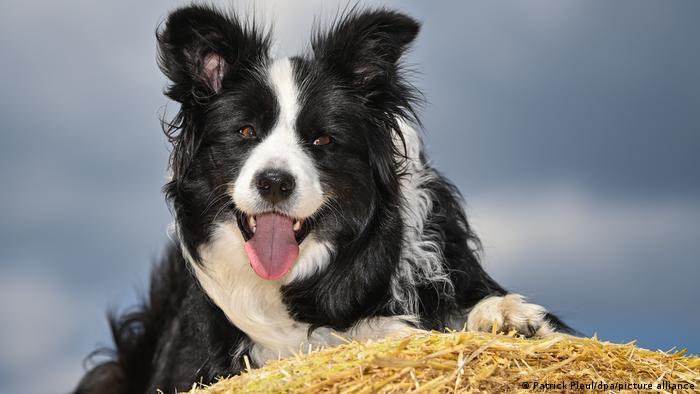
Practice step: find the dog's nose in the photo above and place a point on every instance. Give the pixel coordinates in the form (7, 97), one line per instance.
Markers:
(275, 185)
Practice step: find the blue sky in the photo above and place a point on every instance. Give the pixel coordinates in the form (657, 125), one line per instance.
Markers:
(571, 127)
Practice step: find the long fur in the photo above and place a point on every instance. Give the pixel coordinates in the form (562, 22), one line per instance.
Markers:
(384, 244)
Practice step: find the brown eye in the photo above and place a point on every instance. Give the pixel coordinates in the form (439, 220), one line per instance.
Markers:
(323, 139)
(247, 132)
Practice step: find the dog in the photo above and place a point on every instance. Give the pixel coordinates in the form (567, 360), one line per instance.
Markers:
(304, 206)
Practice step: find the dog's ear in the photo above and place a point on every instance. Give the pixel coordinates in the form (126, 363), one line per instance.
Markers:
(200, 47)
(366, 46)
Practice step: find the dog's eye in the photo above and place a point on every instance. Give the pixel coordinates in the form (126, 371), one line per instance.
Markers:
(247, 132)
(323, 139)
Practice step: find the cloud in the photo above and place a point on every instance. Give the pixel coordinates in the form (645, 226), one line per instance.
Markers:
(36, 314)
(601, 92)
(41, 321)
(624, 268)
(563, 220)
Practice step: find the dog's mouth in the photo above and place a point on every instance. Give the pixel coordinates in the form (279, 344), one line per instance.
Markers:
(272, 242)
(248, 225)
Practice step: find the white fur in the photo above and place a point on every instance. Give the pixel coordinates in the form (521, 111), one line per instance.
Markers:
(255, 305)
(421, 256)
(281, 150)
(508, 312)
(315, 258)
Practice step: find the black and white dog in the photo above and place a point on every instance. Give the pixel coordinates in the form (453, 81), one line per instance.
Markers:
(304, 206)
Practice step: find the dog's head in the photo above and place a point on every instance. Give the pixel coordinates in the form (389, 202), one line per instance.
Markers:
(284, 149)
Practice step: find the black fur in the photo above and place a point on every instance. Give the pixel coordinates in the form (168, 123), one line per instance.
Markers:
(352, 88)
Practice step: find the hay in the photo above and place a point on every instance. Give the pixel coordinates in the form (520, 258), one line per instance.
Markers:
(471, 362)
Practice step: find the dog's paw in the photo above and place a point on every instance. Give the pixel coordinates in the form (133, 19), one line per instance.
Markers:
(508, 313)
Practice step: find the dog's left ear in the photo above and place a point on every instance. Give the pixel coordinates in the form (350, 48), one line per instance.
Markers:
(366, 46)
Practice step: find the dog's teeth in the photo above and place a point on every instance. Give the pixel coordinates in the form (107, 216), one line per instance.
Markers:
(251, 223)
(297, 225)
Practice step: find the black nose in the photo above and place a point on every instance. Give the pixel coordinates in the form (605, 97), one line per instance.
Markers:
(274, 185)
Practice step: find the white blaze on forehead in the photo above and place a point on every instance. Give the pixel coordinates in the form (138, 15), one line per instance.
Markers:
(281, 149)
(281, 76)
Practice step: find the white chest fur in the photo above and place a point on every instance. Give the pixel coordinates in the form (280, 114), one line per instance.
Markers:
(255, 305)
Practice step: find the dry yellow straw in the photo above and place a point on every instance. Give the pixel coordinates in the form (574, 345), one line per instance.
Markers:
(465, 362)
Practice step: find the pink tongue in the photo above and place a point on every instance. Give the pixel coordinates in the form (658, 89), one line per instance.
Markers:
(273, 248)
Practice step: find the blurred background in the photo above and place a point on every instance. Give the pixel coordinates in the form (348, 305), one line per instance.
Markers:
(571, 127)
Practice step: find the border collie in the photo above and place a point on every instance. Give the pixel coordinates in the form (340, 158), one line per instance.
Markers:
(304, 205)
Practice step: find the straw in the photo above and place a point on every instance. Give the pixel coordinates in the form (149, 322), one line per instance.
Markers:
(466, 362)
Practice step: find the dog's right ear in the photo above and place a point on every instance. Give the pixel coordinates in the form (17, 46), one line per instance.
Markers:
(200, 48)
